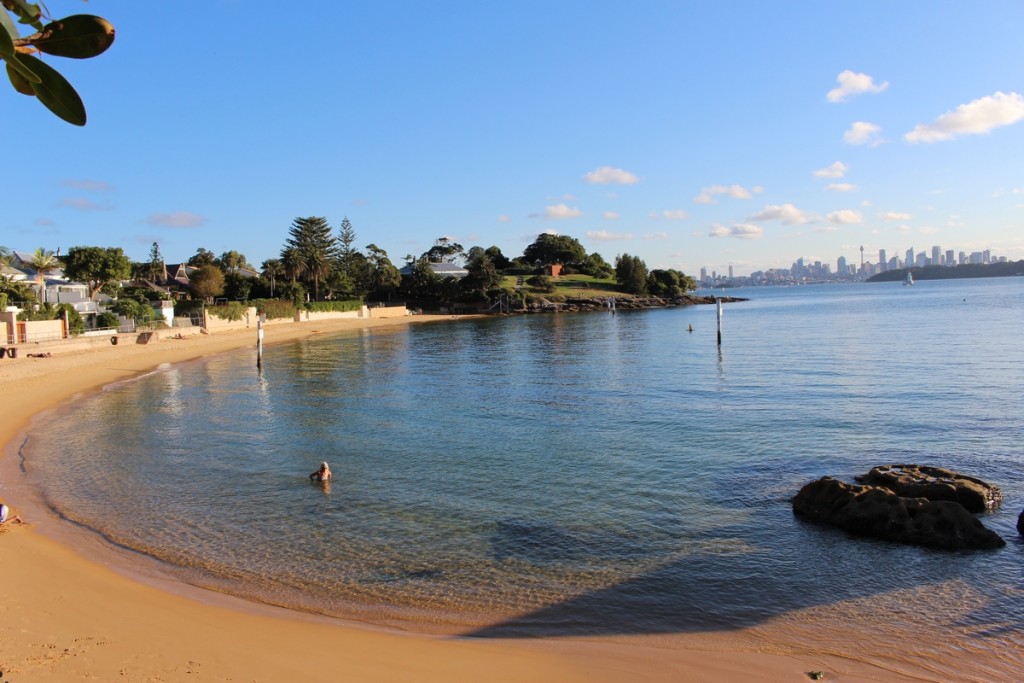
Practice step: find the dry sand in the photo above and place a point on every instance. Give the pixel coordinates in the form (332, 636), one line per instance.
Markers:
(65, 616)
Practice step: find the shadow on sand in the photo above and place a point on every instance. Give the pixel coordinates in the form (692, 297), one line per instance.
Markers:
(720, 590)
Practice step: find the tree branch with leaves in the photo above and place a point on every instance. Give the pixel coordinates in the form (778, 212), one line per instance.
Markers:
(79, 36)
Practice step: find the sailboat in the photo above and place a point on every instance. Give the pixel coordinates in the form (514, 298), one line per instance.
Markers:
(909, 279)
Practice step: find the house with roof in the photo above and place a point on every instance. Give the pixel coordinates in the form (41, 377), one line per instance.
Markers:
(56, 289)
(443, 270)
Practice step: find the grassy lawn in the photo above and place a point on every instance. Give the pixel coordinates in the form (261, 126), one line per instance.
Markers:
(570, 287)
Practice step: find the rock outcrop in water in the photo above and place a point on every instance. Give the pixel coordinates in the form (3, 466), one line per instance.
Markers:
(935, 483)
(880, 512)
(1020, 523)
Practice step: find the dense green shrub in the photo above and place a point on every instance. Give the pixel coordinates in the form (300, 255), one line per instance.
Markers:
(107, 319)
(233, 310)
(335, 306)
(275, 309)
(75, 323)
(541, 282)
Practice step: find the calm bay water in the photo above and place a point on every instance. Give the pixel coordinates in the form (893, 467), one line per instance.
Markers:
(575, 473)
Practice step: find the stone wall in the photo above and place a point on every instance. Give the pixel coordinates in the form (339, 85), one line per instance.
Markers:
(304, 316)
(388, 311)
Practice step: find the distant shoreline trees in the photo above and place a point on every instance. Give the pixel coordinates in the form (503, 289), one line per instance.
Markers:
(316, 264)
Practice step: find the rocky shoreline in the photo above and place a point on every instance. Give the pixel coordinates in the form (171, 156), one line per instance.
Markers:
(622, 303)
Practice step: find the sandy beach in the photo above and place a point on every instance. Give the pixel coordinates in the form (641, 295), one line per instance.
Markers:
(64, 615)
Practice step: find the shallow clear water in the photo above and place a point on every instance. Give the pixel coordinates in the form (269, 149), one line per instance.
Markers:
(572, 473)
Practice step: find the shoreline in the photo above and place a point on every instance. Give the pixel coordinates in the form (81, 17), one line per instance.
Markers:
(69, 615)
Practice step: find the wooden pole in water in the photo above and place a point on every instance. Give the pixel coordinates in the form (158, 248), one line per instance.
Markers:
(719, 299)
(259, 341)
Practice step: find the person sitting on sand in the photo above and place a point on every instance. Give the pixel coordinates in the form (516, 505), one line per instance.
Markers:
(5, 512)
(322, 474)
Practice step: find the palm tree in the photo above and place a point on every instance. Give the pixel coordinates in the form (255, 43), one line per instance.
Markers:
(294, 266)
(272, 268)
(43, 261)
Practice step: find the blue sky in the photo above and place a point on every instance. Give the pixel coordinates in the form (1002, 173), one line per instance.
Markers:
(691, 134)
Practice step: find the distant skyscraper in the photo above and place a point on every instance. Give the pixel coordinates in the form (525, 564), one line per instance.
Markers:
(730, 272)
(950, 259)
(841, 268)
(910, 258)
(881, 260)
(936, 256)
(704, 274)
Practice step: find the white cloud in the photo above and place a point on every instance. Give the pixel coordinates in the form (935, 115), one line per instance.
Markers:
(895, 216)
(851, 83)
(842, 187)
(741, 231)
(707, 194)
(605, 236)
(674, 215)
(786, 213)
(836, 170)
(863, 133)
(611, 215)
(845, 217)
(974, 118)
(561, 211)
(177, 219)
(606, 175)
(657, 236)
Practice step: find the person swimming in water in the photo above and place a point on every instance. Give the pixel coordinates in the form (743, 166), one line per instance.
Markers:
(322, 474)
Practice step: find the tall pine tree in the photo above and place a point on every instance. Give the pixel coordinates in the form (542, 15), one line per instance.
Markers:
(313, 248)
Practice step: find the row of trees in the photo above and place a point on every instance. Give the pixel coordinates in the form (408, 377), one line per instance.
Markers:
(317, 264)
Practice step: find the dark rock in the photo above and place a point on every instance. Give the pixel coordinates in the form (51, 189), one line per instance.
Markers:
(1020, 523)
(935, 483)
(878, 512)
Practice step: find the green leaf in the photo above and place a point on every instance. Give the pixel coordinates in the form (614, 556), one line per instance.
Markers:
(55, 92)
(79, 36)
(14, 62)
(20, 83)
(8, 23)
(6, 40)
(27, 12)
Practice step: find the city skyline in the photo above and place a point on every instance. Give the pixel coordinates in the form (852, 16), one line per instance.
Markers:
(689, 135)
(934, 255)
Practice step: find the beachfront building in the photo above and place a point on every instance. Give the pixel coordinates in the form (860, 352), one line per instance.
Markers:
(56, 289)
(441, 269)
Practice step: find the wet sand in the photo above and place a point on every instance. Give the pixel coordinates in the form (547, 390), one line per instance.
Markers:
(67, 615)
